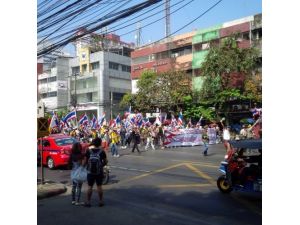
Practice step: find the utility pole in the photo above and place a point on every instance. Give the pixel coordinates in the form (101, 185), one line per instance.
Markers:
(167, 12)
(138, 35)
(111, 105)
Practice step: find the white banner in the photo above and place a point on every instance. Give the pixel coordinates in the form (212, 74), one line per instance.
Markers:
(183, 137)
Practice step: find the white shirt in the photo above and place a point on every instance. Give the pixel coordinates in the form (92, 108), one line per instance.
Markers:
(226, 135)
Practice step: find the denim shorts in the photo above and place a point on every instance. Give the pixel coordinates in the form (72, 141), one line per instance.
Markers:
(91, 178)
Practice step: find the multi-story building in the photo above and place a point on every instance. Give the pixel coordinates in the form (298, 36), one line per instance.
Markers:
(52, 82)
(94, 81)
(188, 51)
(99, 79)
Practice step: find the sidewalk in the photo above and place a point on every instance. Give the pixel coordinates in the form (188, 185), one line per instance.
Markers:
(49, 188)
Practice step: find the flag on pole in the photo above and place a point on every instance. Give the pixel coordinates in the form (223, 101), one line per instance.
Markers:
(70, 116)
(83, 120)
(102, 120)
(157, 121)
(118, 119)
(94, 122)
(180, 118)
(173, 121)
(127, 113)
(54, 122)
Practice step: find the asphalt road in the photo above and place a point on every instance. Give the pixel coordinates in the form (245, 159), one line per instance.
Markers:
(170, 186)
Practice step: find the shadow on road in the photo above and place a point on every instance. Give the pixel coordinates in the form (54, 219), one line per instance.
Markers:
(148, 206)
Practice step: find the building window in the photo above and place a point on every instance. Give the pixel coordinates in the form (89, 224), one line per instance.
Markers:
(84, 68)
(75, 70)
(43, 81)
(142, 59)
(117, 96)
(51, 79)
(114, 66)
(52, 94)
(126, 68)
(95, 65)
(89, 97)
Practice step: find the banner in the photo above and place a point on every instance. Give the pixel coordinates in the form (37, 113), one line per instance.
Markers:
(183, 137)
(212, 135)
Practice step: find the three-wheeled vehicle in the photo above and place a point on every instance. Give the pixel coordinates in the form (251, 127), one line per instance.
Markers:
(242, 167)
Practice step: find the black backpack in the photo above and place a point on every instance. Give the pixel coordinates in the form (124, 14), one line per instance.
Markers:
(95, 165)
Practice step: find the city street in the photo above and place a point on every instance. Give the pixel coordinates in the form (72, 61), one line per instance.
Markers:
(169, 186)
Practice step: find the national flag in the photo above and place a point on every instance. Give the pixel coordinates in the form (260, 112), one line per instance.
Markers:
(118, 120)
(180, 118)
(94, 122)
(138, 119)
(157, 121)
(146, 122)
(54, 122)
(173, 121)
(83, 120)
(102, 120)
(127, 113)
(70, 116)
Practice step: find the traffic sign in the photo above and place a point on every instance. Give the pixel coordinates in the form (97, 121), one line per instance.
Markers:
(42, 127)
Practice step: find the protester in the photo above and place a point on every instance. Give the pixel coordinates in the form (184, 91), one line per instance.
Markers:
(76, 160)
(136, 140)
(123, 136)
(95, 159)
(149, 136)
(243, 132)
(114, 139)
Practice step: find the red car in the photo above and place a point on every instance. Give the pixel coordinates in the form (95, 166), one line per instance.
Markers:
(57, 149)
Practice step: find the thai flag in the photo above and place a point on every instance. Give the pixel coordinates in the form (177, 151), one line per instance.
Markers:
(173, 121)
(132, 120)
(94, 122)
(180, 118)
(83, 120)
(127, 113)
(70, 116)
(102, 120)
(54, 121)
(146, 122)
(138, 119)
(118, 119)
(157, 121)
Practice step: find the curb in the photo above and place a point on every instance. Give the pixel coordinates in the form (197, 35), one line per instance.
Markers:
(50, 189)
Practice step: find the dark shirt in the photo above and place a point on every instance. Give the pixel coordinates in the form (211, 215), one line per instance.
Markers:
(102, 154)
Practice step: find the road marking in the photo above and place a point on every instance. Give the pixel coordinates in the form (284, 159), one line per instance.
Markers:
(196, 163)
(182, 185)
(201, 174)
(151, 173)
(131, 169)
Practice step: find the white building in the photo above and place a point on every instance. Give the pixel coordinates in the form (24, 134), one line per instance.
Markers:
(53, 83)
(99, 80)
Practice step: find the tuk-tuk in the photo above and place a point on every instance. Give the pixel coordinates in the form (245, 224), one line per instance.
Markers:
(242, 167)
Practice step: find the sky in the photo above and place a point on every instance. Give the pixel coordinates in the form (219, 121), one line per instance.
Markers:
(226, 11)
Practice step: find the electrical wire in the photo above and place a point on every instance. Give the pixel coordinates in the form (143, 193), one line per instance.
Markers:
(129, 12)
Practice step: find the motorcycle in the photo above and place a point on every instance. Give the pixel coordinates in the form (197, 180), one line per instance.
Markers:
(242, 168)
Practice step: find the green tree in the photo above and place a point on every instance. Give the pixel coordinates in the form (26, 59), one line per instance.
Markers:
(221, 66)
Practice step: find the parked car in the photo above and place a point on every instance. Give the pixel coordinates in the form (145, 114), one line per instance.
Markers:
(57, 149)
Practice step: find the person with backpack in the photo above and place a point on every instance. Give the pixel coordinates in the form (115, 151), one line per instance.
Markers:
(95, 159)
(75, 161)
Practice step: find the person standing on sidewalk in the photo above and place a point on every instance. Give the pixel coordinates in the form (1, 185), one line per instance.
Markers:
(76, 160)
(95, 159)
(136, 140)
